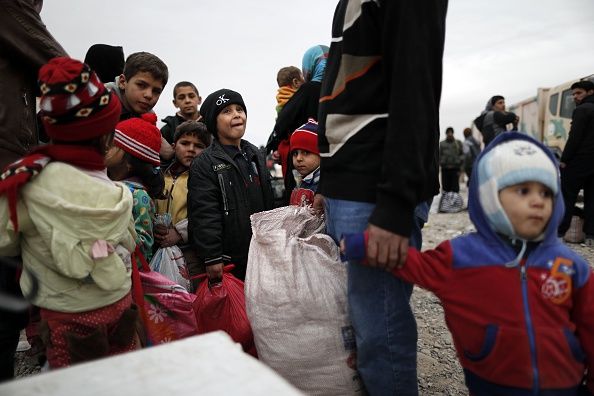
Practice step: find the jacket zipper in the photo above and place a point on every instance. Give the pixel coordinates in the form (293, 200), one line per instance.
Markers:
(222, 184)
(530, 326)
(170, 197)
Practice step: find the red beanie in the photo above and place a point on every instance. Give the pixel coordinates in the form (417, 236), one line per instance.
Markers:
(306, 137)
(74, 104)
(140, 137)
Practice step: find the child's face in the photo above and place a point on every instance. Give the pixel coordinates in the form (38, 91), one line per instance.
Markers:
(187, 148)
(305, 162)
(141, 92)
(187, 101)
(231, 123)
(528, 207)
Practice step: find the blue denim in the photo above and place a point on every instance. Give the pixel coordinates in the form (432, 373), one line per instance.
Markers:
(379, 307)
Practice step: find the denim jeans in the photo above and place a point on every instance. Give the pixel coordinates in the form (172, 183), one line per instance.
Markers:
(379, 307)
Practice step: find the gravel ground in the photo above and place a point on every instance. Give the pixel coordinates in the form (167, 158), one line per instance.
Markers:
(439, 371)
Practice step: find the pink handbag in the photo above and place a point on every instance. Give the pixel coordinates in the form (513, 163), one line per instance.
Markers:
(167, 308)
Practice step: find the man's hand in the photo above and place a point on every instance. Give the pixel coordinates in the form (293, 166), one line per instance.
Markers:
(215, 272)
(166, 237)
(385, 250)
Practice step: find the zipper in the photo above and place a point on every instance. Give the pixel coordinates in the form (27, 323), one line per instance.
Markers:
(530, 326)
(170, 198)
(224, 192)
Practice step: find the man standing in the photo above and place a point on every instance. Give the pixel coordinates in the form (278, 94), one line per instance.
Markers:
(496, 119)
(451, 155)
(471, 148)
(379, 135)
(577, 165)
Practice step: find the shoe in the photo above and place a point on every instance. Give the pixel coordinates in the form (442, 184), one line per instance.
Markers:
(589, 242)
(23, 346)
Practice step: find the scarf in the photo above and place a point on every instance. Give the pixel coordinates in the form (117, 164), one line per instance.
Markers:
(314, 63)
(19, 173)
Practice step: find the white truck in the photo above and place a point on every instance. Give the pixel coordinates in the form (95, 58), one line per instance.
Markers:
(547, 116)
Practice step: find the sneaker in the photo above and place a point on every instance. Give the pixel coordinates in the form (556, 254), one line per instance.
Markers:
(589, 242)
(23, 346)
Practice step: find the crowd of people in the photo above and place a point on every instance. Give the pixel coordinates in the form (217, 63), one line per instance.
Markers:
(357, 137)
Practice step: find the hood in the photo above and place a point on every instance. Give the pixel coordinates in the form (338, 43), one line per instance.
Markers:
(478, 215)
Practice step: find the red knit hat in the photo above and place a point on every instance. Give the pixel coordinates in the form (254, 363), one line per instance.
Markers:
(75, 105)
(306, 137)
(140, 137)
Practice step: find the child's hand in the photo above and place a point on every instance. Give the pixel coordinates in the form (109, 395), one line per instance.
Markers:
(170, 238)
(214, 272)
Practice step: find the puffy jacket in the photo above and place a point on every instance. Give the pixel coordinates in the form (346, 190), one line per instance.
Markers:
(62, 212)
(25, 45)
(520, 327)
(218, 204)
(451, 154)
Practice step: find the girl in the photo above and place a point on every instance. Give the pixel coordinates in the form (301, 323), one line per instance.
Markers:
(134, 159)
(70, 223)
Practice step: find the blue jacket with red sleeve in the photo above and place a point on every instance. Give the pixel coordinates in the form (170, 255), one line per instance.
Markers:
(521, 325)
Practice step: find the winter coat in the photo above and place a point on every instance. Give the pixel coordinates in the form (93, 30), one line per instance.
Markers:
(519, 326)
(62, 213)
(218, 204)
(25, 45)
(451, 154)
(579, 149)
(176, 203)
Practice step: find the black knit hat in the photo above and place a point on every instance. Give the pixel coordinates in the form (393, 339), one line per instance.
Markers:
(215, 103)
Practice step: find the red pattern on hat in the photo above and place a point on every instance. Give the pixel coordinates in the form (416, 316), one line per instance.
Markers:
(75, 105)
(140, 137)
(306, 137)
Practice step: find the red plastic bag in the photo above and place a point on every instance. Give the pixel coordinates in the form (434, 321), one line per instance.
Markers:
(221, 306)
(167, 309)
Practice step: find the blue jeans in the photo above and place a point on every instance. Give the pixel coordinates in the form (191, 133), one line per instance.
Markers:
(379, 307)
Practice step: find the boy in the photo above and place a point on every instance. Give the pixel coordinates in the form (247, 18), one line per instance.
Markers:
(186, 99)
(190, 139)
(306, 161)
(289, 79)
(518, 302)
(139, 88)
(228, 183)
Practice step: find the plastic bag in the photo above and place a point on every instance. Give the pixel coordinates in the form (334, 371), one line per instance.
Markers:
(170, 262)
(221, 306)
(297, 303)
(167, 308)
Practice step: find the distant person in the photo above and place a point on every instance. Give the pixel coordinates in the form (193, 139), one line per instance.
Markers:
(472, 149)
(302, 106)
(289, 79)
(577, 161)
(496, 119)
(25, 45)
(139, 87)
(71, 223)
(517, 301)
(190, 140)
(306, 161)
(134, 160)
(378, 139)
(228, 183)
(186, 99)
(107, 61)
(451, 157)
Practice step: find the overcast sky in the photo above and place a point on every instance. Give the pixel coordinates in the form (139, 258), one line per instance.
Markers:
(492, 47)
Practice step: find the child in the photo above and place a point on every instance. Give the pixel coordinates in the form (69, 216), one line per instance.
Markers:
(134, 159)
(139, 88)
(70, 223)
(289, 80)
(306, 161)
(190, 139)
(186, 99)
(228, 183)
(518, 302)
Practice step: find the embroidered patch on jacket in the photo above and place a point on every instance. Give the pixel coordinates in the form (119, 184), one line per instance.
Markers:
(557, 285)
(220, 167)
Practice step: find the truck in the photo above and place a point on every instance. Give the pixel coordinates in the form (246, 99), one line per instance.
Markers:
(547, 116)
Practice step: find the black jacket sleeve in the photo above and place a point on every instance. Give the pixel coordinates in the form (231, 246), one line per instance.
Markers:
(205, 218)
(503, 118)
(413, 41)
